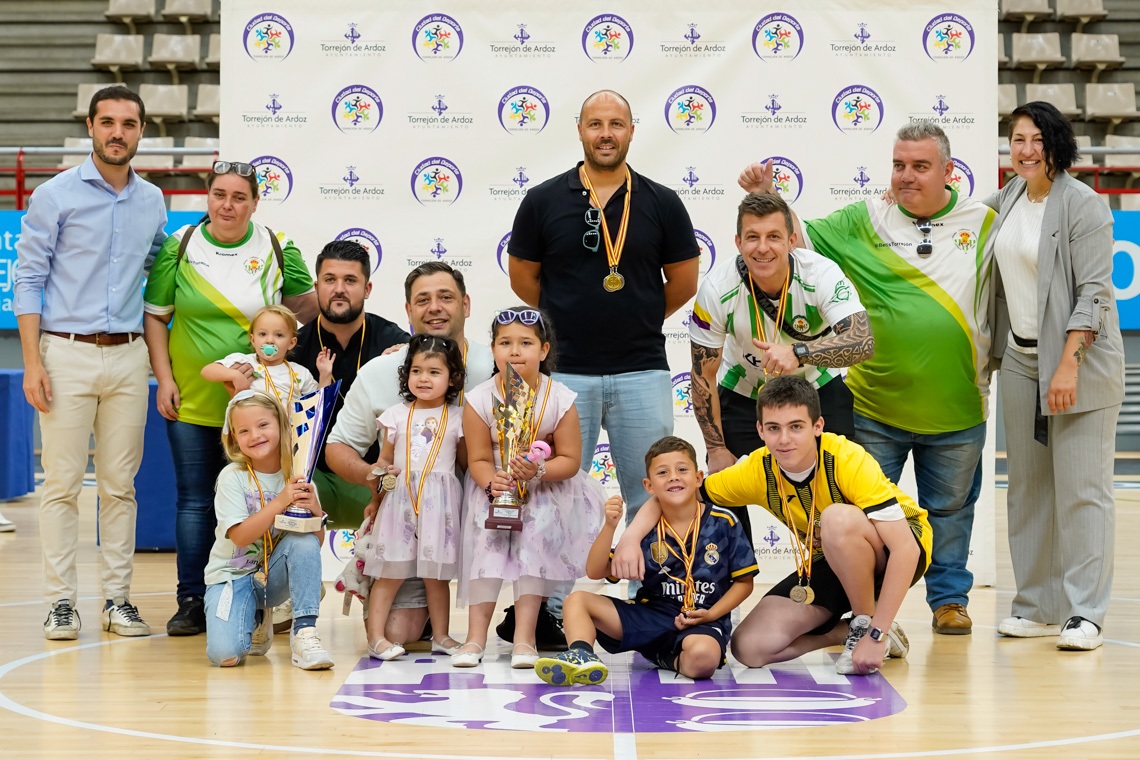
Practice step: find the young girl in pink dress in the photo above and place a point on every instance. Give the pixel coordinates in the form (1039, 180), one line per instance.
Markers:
(416, 512)
(565, 508)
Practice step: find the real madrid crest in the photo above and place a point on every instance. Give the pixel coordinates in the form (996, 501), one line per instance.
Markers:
(712, 556)
(659, 552)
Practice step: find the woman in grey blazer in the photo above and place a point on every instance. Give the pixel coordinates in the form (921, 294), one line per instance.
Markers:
(1062, 383)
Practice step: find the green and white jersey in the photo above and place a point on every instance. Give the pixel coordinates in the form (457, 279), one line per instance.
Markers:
(213, 294)
(724, 317)
(929, 374)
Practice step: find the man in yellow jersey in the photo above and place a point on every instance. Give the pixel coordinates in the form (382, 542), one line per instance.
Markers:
(860, 541)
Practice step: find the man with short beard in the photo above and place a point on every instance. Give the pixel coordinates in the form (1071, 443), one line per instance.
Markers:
(85, 246)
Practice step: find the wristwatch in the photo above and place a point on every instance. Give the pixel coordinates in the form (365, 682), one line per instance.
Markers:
(801, 352)
(876, 634)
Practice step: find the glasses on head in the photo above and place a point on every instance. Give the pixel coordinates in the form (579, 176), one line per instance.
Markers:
(234, 167)
(592, 239)
(924, 226)
(527, 316)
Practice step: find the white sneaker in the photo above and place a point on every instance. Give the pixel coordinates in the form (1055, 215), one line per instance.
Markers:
(1024, 628)
(308, 654)
(122, 617)
(62, 622)
(6, 525)
(283, 616)
(1080, 634)
(898, 646)
(262, 638)
(856, 629)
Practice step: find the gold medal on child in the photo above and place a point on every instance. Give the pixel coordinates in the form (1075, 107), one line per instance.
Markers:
(261, 577)
(388, 482)
(659, 552)
(802, 594)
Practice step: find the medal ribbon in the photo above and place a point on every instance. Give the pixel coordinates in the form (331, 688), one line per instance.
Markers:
(686, 557)
(267, 547)
(436, 443)
(613, 249)
(779, 314)
(272, 386)
(359, 354)
(805, 550)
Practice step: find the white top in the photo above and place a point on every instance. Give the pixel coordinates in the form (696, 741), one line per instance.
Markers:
(1016, 250)
(279, 376)
(236, 499)
(426, 427)
(377, 388)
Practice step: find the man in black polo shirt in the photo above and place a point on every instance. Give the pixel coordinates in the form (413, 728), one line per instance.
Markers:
(354, 337)
(589, 246)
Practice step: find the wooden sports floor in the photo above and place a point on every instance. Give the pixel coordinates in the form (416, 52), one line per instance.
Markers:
(955, 696)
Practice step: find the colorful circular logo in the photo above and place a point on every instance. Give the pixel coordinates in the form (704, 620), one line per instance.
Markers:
(948, 37)
(268, 37)
(602, 468)
(682, 395)
(437, 37)
(357, 108)
(778, 37)
(965, 240)
(708, 252)
(501, 252)
(274, 179)
(370, 242)
(523, 110)
(690, 109)
(607, 37)
(436, 180)
(857, 109)
(254, 264)
(961, 178)
(342, 544)
(787, 178)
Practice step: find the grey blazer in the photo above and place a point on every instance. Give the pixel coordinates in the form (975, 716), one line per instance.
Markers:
(1074, 291)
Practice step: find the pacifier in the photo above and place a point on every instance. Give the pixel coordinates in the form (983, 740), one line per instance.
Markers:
(269, 349)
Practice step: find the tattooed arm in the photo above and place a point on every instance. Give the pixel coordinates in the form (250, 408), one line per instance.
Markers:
(1063, 386)
(706, 404)
(851, 342)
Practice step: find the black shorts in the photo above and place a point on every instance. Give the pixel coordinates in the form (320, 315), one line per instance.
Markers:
(648, 629)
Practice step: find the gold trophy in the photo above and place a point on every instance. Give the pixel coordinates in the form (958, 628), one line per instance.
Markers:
(514, 417)
(310, 418)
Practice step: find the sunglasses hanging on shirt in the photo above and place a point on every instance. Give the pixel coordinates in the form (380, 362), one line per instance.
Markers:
(924, 226)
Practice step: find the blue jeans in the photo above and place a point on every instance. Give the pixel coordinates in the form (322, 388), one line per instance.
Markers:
(636, 410)
(198, 459)
(948, 472)
(294, 572)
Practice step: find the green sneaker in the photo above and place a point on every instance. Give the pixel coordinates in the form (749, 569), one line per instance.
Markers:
(571, 667)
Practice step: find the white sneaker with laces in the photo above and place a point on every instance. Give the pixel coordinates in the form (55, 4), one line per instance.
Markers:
(898, 645)
(1080, 634)
(1024, 628)
(856, 629)
(262, 638)
(122, 618)
(308, 654)
(62, 622)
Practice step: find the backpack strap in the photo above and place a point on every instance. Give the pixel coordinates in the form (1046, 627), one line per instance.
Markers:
(185, 241)
(277, 252)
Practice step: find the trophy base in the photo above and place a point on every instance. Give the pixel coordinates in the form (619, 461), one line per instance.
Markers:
(297, 524)
(506, 514)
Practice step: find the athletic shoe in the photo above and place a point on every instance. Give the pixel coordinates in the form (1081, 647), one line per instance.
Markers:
(571, 667)
(262, 637)
(856, 629)
(308, 654)
(283, 616)
(548, 633)
(898, 646)
(122, 618)
(1024, 628)
(62, 622)
(190, 620)
(6, 525)
(1080, 634)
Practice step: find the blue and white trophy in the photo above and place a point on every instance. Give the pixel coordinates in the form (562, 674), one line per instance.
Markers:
(310, 417)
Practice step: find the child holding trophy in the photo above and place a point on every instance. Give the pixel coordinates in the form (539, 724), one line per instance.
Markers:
(562, 507)
(253, 566)
(416, 510)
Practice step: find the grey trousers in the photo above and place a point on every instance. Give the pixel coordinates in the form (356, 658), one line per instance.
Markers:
(1062, 514)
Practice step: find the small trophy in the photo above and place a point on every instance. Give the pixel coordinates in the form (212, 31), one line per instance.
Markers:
(513, 420)
(310, 418)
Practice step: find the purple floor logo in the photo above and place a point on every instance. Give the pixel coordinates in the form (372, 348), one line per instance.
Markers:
(778, 37)
(437, 37)
(268, 37)
(427, 691)
(523, 110)
(357, 108)
(365, 238)
(948, 37)
(607, 37)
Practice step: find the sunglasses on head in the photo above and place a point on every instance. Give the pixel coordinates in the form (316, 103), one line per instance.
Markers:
(234, 167)
(527, 316)
(924, 226)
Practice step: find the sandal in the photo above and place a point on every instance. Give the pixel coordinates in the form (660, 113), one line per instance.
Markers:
(523, 659)
(389, 652)
(461, 659)
(442, 647)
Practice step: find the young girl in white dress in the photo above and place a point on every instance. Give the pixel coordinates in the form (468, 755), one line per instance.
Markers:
(416, 511)
(565, 507)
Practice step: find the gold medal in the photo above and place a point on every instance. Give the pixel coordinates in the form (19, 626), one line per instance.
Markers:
(659, 552)
(388, 482)
(261, 577)
(613, 281)
(802, 594)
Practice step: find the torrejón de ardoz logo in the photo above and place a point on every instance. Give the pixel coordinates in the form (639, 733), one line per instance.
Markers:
(857, 109)
(356, 41)
(274, 179)
(357, 109)
(690, 109)
(268, 37)
(437, 37)
(436, 181)
(948, 37)
(523, 110)
(777, 37)
(522, 41)
(607, 37)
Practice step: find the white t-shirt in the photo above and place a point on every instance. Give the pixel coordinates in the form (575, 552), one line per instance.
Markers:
(236, 499)
(280, 377)
(1016, 251)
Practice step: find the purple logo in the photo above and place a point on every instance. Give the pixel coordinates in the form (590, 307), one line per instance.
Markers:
(268, 37)
(682, 395)
(602, 468)
(948, 37)
(962, 178)
(772, 538)
(342, 543)
(274, 179)
(708, 252)
(370, 242)
(501, 252)
(427, 691)
(523, 110)
(357, 108)
(857, 109)
(787, 177)
(690, 109)
(607, 37)
(778, 37)
(436, 180)
(437, 37)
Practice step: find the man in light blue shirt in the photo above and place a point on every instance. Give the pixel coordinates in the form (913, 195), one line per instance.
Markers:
(85, 246)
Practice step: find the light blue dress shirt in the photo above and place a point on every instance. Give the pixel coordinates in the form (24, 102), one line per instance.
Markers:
(84, 252)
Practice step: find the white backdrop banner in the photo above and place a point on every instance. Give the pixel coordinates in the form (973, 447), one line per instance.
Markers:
(417, 133)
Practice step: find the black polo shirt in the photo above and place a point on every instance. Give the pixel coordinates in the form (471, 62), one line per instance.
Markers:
(379, 335)
(598, 332)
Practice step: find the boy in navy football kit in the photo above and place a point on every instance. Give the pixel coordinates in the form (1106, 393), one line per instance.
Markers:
(699, 567)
